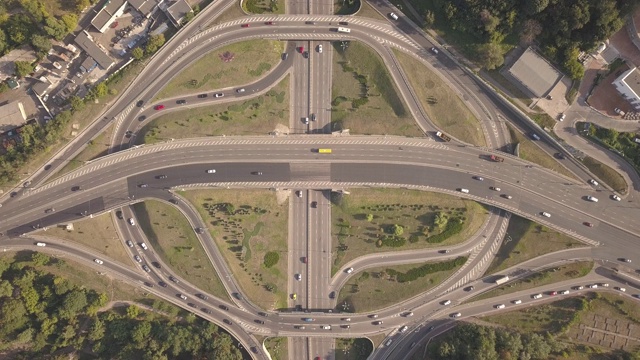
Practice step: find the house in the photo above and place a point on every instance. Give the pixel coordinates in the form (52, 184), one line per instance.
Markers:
(12, 113)
(176, 11)
(145, 7)
(88, 64)
(111, 9)
(628, 85)
(86, 43)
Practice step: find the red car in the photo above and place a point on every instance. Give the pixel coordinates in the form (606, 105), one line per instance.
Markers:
(553, 293)
(158, 107)
(301, 49)
(245, 25)
(269, 23)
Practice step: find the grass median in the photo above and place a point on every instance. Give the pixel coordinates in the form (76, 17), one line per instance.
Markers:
(442, 105)
(175, 241)
(278, 347)
(365, 99)
(367, 217)
(257, 116)
(353, 348)
(607, 174)
(95, 148)
(556, 274)
(526, 240)
(97, 233)
(380, 287)
(230, 66)
(250, 229)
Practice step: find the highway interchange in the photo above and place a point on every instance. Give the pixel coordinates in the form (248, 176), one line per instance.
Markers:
(292, 162)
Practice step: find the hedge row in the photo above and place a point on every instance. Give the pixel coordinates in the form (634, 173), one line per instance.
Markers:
(454, 226)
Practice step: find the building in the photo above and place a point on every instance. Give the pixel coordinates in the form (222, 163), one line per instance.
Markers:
(145, 7)
(41, 87)
(628, 85)
(176, 10)
(85, 42)
(534, 73)
(88, 64)
(111, 9)
(12, 114)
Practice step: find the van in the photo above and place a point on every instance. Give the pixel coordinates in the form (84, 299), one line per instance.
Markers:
(466, 191)
(393, 16)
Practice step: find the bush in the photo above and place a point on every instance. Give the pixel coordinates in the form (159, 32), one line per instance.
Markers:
(271, 258)
(392, 241)
(454, 226)
(421, 271)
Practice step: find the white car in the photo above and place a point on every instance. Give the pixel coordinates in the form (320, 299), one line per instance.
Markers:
(616, 197)
(98, 261)
(299, 193)
(41, 244)
(620, 289)
(537, 296)
(446, 302)
(592, 199)
(325, 327)
(403, 329)
(349, 270)
(298, 277)
(137, 258)
(579, 287)
(562, 116)
(593, 286)
(434, 50)
(183, 297)
(494, 188)
(320, 49)
(219, 95)
(466, 191)
(456, 315)
(211, 171)
(604, 285)
(393, 16)
(144, 246)
(545, 214)
(593, 182)
(564, 292)
(133, 223)
(500, 306)
(517, 302)
(129, 243)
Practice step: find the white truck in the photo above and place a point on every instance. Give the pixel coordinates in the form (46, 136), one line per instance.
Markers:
(344, 30)
(501, 280)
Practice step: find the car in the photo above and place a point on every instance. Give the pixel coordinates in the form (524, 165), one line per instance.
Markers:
(479, 178)
(408, 314)
(140, 103)
(223, 307)
(301, 49)
(325, 327)
(98, 261)
(625, 260)
(345, 23)
(76, 188)
(564, 292)
(314, 204)
(294, 296)
(144, 246)
(211, 171)
(219, 95)
(258, 321)
(378, 322)
(313, 117)
(263, 314)
(202, 96)
(308, 319)
(444, 251)
(131, 222)
(161, 177)
(158, 107)
(500, 306)
(562, 117)
(49, 210)
(304, 259)
(137, 258)
(494, 188)
(463, 190)
(146, 268)
(173, 201)
(373, 316)
(332, 295)
(620, 289)
(535, 136)
(227, 321)
(536, 296)
(345, 326)
(393, 16)
(434, 50)
(615, 197)
(148, 284)
(545, 214)
(143, 185)
(469, 288)
(244, 25)
(592, 198)
(579, 287)
(553, 293)
(403, 329)
(202, 296)
(175, 280)
(181, 102)
(156, 265)
(41, 244)
(305, 54)
(320, 49)
(298, 277)
(285, 56)
(508, 197)
(119, 214)
(446, 302)
(208, 311)
(517, 302)
(349, 270)
(592, 286)
(456, 315)
(346, 319)
(239, 91)
(604, 285)
(269, 23)
(310, 22)
(559, 156)
(299, 193)
(305, 120)
(199, 230)
(301, 327)
(593, 182)
(162, 283)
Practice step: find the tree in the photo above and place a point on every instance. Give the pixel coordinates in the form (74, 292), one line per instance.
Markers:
(13, 316)
(369, 217)
(23, 68)
(81, 5)
(6, 289)
(70, 22)
(154, 43)
(137, 53)
(40, 259)
(77, 104)
(489, 56)
(271, 258)
(73, 302)
(429, 18)
(489, 21)
(55, 28)
(530, 30)
(96, 331)
(141, 332)
(132, 311)
(3, 42)
(533, 7)
(440, 220)
(574, 68)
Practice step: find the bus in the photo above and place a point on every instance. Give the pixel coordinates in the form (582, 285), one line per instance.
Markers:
(324, 151)
(344, 30)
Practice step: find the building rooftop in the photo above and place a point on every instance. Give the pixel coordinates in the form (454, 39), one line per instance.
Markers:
(535, 73)
(41, 87)
(144, 6)
(12, 114)
(632, 80)
(86, 43)
(177, 10)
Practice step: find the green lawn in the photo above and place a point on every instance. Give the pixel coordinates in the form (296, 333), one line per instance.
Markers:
(257, 116)
(549, 276)
(513, 90)
(376, 288)
(442, 105)
(96, 148)
(526, 240)
(365, 11)
(231, 13)
(278, 348)
(607, 174)
(264, 7)
(246, 62)
(97, 233)
(365, 99)
(258, 226)
(353, 348)
(175, 241)
(413, 210)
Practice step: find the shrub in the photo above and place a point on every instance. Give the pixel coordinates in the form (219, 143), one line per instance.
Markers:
(454, 226)
(271, 258)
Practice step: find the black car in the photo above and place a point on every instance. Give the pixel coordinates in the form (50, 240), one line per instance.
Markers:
(263, 314)
(254, 349)
(174, 279)
(310, 22)
(76, 188)
(208, 311)
(227, 321)
(192, 305)
(180, 102)
(258, 321)
(285, 56)
(140, 103)
(199, 230)
(314, 204)
(119, 214)
(162, 283)
(469, 288)
(343, 23)
(559, 155)
(305, 54)
(148, 284)
(202, 296)
(156, 265)
(173, 201)
(142, 118)
(223, 307)
(332, 295)
(202, 96)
